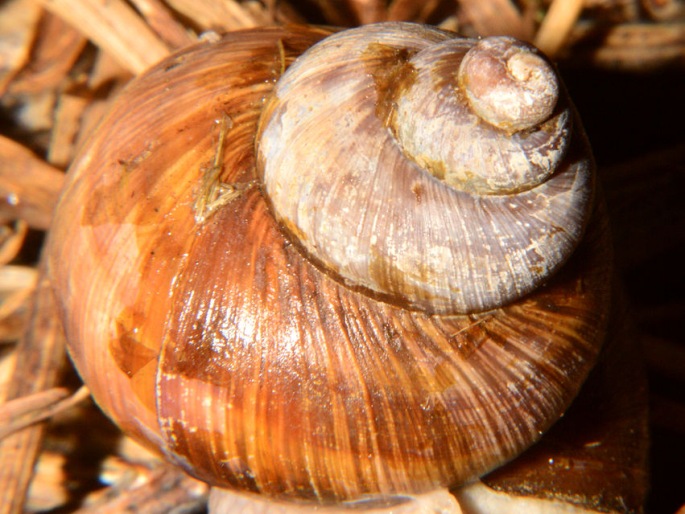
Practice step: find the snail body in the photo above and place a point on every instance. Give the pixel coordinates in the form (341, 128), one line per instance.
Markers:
(230, 332)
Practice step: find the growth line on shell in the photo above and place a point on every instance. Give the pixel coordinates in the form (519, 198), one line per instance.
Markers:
(214, 193)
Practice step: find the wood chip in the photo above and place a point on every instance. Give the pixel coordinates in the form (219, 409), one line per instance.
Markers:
(211, 15)
(116, 28)
(645, 206)
(667, 414)
(14, 278)
(497, 18)
(164, 24)
(368, 11)
(664, 10)
(665, 357)
(107, 75)
(400, 10)
(283, 13)
(612, 11)
(39, 360)
(556, 26)
(13, 409)
(53, 54)
(18, 25)
(51, 483)
(156, 490)
(634, 47)
(16, 286)
(29, 187)
(335, 12)
(70, 109)
(33, 408)
(105, 80)
(12, 235)
(31, 113)
(419, 12)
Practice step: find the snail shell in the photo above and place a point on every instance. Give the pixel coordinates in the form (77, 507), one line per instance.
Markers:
(224, 340)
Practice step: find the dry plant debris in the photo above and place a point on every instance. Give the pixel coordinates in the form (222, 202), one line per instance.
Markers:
(61, 63)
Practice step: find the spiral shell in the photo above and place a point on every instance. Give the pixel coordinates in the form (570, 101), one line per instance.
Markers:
(507, 211)
(205, 329)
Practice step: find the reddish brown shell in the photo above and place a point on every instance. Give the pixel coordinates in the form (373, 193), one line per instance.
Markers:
(215, 339)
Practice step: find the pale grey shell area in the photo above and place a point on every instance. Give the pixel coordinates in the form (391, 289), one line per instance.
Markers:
(339, 182)
(436, 127)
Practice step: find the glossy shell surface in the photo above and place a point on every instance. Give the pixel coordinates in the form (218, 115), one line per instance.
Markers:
(217, 340)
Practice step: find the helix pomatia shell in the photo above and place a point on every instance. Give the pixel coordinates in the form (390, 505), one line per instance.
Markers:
(216, 338)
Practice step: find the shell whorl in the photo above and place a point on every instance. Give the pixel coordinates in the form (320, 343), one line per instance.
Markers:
(408, 193)
(467, 119)
(508, 84)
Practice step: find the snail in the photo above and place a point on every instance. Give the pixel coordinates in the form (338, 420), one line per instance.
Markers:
(334, 267)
